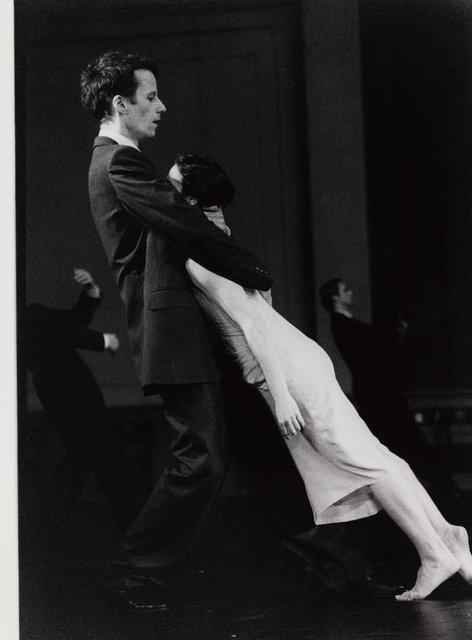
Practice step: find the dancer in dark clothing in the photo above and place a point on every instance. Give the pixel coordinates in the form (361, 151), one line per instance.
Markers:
(70, 396)
(374, 357)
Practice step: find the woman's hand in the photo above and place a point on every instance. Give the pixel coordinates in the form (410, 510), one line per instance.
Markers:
(288, 416)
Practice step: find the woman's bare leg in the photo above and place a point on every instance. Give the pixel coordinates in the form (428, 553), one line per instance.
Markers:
(455, 537)
(400, 501)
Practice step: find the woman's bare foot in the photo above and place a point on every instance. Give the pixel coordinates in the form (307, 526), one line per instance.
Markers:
(430, 575)
(457, 541)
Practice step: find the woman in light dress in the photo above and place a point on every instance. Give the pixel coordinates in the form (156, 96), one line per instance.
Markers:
(348, 474)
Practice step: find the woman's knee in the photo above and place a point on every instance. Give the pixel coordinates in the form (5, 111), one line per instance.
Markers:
(398, 469)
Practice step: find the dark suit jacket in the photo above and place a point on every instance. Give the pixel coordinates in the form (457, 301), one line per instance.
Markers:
(148, 232)
(372, 355)
(61, 378)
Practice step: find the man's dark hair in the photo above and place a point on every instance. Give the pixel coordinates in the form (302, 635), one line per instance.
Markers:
(205, 180)
(109, 75)
(327, 291)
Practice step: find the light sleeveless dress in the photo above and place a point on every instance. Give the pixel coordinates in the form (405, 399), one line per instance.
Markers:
(336, 454)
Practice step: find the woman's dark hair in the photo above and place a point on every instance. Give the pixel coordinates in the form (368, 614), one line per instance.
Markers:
(109, 75)
(205, 180)
(327, 291)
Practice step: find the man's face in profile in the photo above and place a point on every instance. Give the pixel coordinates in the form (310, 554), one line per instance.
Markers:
(344, 296)
(143, 111)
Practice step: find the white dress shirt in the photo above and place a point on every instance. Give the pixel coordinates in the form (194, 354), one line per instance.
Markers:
(117, 137)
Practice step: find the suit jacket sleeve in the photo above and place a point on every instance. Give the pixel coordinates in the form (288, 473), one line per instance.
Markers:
(359, 334)
(73, 323)
(376, 338)
(157, 205)
(362, 346)
(79, 337)
(82, 312)
(48, 328)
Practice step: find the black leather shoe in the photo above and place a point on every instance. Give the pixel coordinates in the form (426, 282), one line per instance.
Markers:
(142, 598)
(367, 588)
(138, 593)
(371, 588)
(301, 545)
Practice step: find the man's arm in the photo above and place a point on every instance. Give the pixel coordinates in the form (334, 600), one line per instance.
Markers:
(46, 327)
(90, 297)
(73, 321)
(81, 312)
(158, 206)
(79, 337)
(216, 216)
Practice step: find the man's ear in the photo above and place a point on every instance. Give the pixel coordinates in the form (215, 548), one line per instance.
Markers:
(118, 104)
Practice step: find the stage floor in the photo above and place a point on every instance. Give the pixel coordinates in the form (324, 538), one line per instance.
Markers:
(242, 585)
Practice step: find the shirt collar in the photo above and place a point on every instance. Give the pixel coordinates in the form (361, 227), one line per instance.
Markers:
(117, 137)
(343, 312)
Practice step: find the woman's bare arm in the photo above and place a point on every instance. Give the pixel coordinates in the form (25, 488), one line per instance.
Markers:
(232, 298)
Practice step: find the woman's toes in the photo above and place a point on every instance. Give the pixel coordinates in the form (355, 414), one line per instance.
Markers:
(408, 596)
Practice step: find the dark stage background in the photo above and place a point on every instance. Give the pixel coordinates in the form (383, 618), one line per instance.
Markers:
(270, 89)
(346, 127)
(363, 175)
(417, 71)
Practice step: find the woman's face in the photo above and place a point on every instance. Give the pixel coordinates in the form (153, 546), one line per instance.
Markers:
(175, 177)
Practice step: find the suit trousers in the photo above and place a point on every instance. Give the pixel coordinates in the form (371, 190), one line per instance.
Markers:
(340, 553)
(160, 537)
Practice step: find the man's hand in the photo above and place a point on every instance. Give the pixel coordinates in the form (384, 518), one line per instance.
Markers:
(215, 214)
(402, 329)
(84, 278)
(111, 342)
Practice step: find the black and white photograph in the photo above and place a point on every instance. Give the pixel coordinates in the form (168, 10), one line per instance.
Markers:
(243, 282)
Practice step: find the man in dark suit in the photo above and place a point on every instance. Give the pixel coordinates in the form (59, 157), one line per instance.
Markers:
(70, 396)
(148, 232)
(373, 355)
